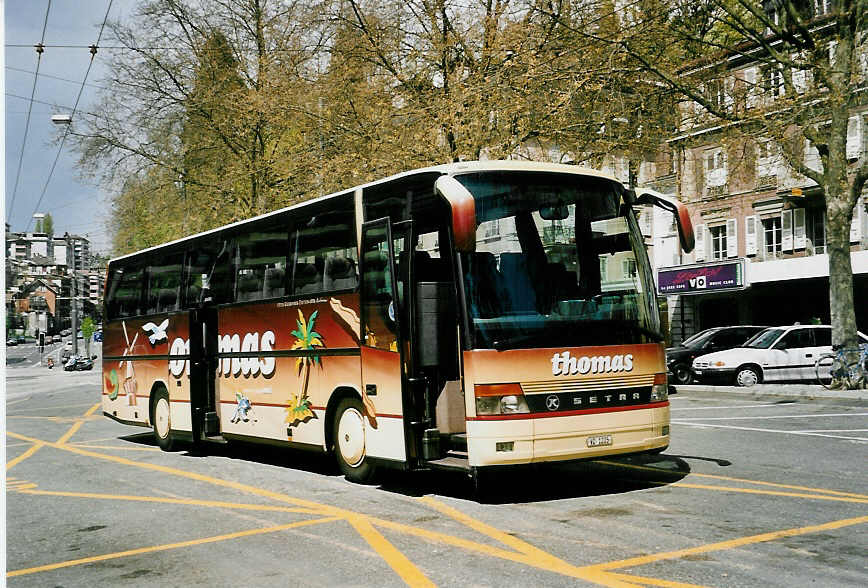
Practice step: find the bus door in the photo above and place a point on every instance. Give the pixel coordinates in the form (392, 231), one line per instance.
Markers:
(385, 308)
(203, 373)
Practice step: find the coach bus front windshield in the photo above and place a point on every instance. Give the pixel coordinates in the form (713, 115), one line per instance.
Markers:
(558, 262)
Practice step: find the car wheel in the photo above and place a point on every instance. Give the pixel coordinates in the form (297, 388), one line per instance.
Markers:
(682, 373)
(747, 376)
(161, 418)
(349, 441)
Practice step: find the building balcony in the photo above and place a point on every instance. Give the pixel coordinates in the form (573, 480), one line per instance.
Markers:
(768, 182)
(717, 191)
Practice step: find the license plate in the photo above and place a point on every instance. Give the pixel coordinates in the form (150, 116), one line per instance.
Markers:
(599, 440)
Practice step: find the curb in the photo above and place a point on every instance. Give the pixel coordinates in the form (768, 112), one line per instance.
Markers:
(806, 391)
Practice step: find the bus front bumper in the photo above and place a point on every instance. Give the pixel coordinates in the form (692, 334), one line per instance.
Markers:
(534, 440)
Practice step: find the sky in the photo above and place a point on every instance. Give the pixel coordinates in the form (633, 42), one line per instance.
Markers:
(77, 205)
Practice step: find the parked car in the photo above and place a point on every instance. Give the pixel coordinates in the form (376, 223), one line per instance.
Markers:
(78, 363)
(11, 342)
(775, 354)
(20, 339)
(57, 339)
(679, 359)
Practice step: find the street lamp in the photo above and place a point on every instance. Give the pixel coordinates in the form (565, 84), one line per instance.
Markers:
(66, 119)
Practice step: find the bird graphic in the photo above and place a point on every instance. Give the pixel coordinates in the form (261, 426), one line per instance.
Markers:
(157, 332)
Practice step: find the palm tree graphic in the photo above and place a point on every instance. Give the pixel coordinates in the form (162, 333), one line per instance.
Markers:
(299, 409)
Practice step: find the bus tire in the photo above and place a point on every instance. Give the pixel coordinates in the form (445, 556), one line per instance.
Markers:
(161, 420)
(349, 441)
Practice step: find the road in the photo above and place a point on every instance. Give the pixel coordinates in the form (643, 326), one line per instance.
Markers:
(753, 491)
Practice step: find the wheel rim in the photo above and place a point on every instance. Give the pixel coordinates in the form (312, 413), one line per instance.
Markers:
(351, 437)
(747, 378)
(161, 418)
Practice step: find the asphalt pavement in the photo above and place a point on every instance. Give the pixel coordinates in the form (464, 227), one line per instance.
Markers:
(759, 487)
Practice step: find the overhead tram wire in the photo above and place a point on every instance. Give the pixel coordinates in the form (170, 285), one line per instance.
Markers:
(93, 50)
(39, 50)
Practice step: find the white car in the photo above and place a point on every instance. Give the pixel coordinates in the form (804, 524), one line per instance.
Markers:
(776, 354)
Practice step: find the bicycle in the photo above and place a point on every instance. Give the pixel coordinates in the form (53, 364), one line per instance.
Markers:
(843, 368)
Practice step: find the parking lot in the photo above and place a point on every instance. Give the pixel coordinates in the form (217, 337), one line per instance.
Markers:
(756, 489)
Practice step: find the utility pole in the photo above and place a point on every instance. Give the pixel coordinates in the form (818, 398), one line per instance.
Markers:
(74, 311)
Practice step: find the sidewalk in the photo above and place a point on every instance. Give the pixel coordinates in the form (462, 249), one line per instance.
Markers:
(807, 391)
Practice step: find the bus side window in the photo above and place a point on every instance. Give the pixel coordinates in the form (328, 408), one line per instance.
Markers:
(325, 256)
(208, 272)
(125, 292)
(164, 281)
(261, 269)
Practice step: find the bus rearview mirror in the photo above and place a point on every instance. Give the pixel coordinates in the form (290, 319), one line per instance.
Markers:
(677, 208)
(463, 212)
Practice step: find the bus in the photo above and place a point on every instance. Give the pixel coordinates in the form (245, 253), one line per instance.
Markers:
(463, 316)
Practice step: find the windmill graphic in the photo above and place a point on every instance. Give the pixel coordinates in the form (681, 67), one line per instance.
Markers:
(130, 384)
(299, 409)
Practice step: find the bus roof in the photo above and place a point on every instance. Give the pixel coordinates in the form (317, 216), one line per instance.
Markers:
(457, 168)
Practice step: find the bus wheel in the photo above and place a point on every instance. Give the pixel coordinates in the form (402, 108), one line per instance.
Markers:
(162, 420)
(349, 441)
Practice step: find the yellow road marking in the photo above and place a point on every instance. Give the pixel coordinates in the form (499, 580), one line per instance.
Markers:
(72, 430)
(730, 479)
(412, 575)
(598, 573)
(118, 447)
(21, 488)
(730, 544)
(769, 492)
(184, 501)
(486, 529)
(550, 564)
(654, 581)
(33, 449)
(774, 485)
(165, 547)
(566, 569)
(42, 408)
(320, 508)
(56, 419)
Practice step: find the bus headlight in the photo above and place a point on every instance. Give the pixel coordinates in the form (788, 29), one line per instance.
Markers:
(513, 404)
(660, 388)
(497, 399)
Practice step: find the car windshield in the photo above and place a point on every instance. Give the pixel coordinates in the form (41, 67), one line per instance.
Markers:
(699, 339)
(558, 262)
(763, 339)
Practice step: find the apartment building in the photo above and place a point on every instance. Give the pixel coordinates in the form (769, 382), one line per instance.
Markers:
(760, 255)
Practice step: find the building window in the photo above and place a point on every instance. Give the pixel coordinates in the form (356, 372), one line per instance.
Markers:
(492, 228)
(815, 221)
(773, 80)
(772, 236)
(822, 7)
(716, 93)
(629, 268)
(715, 168)
(604, 270)
(718, 242)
